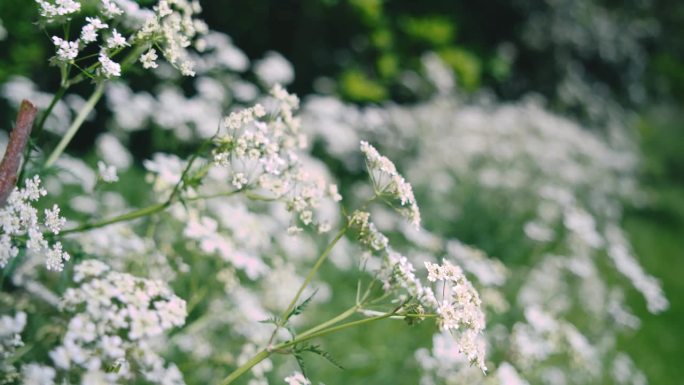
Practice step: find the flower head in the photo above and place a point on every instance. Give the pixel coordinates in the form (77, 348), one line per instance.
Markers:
(389, 183)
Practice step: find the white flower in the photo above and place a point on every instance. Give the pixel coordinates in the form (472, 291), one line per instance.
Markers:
(387, 181)
(116, 40)
(107, 172)
(59, 8)
(297, 379)
(35, 374)
(148, 59)
(274, 69)
(53, 221)
(109, 67)
(186, 68)
(66, 50)
(89, 31)
(18, 218)
(110, 9)
(239, 180)
(163, 9)
(115, 316)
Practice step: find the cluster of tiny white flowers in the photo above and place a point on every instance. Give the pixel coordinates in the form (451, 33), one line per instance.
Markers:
(36, 374)
(114, 317)
(66, 50)
(297, 378)
(170, 25)
(388, 182)
(109, 68)
(149, 59)
(173, 29)
(107, 172)
(58, 9)
(19, 218)
(565, 182)
(10, 334)
(460, 308)
(263, 155)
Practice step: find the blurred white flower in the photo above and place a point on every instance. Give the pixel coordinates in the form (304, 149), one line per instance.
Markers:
(274, 69)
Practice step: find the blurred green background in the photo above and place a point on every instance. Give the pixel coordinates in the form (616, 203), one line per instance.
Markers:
(366, 51)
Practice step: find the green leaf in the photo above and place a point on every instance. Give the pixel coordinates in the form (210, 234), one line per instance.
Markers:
(271, 320)
(300, 362)
(315, 349)
(300, 308)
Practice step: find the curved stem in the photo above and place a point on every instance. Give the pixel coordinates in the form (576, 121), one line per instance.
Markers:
(262, 355)
(330, 330)
(76, 124)
(306, 336)
(341, 317)
(311, 274)
(149, 210)
(143, 212)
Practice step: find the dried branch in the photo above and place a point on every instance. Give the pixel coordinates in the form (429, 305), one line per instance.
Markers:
(15, 148)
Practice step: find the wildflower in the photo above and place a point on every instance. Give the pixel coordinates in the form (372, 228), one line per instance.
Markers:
(109, 67)
(35, 374)
(53, 221)
(116, 40)
(10, 333)
(59, 8)
(388, 182)
(89, 31)
(19, 218)
(297, 379)
(110, 9)
(239, 180)
(148, 59)
(114, 316)
(66, 50)
(107, 172)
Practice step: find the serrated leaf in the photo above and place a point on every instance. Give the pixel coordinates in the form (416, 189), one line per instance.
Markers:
(315, 349)
(300, 362)
(300, 308)
(271, 320)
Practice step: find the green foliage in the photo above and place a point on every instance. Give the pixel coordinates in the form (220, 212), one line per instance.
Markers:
(465, 64)
(434, 30)
(356, 86)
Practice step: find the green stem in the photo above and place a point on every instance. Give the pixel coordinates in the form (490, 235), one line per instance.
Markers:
(76, 124)
(306, 336)
(143, 212)
(121, 218)
(262, 355)
(342, 316)
(312, 273)
(321, 333)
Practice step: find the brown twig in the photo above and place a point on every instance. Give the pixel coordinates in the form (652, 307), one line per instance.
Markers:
(15, 148)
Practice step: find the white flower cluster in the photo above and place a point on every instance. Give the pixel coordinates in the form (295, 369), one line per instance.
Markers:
(10, 334)
(19, 219)
(459, 308)
(173, 29)
(297, 378)
(115, 317)
(36, 374)
(558, 183)
(387, 182)
(58, 9)
(107, 172)
(263, 155)
(170, 26)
